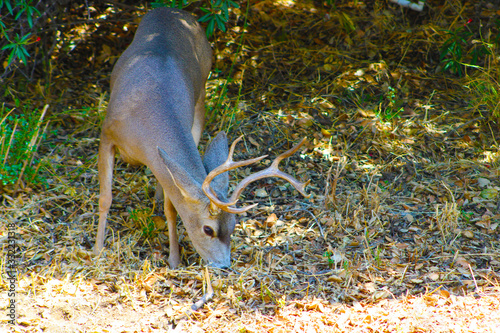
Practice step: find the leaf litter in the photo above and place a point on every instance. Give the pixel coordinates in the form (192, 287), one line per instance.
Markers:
(401, 232)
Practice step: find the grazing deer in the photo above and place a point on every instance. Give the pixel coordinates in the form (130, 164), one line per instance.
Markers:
(155, 117)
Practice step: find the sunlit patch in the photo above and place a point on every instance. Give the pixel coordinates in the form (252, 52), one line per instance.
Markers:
(150, 37)
(491, 157)
(285, 3)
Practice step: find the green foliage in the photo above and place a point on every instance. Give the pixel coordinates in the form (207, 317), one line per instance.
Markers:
(453, 54)
(329, 256)
(496, 38)
(394, 106)
(215, 106)
(20, 11)
(142, 219)
(466, 215)
(452, 51)
(216, 12)
(346, 23)
(376, 256)
(20, 136)
(170, 3)
(228, 112)
(17, 48)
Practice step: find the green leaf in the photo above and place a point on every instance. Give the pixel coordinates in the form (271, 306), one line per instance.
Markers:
(220, 23)
(9, 6)
(205, 18)
(233, 4)
(210, 27)
(9, 46)
(24, 51)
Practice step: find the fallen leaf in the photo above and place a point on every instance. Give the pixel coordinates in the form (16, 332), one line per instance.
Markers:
(462, 262)
(489, 193)
(483, 182)
(252, 141)
(467, 233)
(159, 222)
(261, 193)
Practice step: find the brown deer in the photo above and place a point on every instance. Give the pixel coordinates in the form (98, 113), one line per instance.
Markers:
(155, 117)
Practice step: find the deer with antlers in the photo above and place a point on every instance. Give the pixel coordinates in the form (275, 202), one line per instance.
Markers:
(155, 117)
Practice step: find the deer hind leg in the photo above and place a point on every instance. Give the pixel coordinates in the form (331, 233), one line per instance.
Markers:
(105, 169)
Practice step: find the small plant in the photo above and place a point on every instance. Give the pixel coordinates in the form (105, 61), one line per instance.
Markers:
(20, 136)
(346, 23)
(393, 108)
(17, 48)
(328, 255)
(216, 12)
(447, 217)
(334, 257)
(466, 215)
(376, 255)
(142, 218)
(453, 52)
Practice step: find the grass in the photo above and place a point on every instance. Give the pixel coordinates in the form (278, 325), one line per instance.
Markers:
(484, 88)
(398, 222)
(20, 136)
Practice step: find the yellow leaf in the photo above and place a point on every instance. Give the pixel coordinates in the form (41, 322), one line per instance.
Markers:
(326, 133)
(159, 222)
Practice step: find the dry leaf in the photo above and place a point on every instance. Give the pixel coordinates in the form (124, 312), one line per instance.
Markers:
(467, 233)
(261, 193)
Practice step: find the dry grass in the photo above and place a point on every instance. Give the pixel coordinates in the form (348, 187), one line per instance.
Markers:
(401, 232)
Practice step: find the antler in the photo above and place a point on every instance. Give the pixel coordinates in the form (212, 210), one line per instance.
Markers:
(271, 171)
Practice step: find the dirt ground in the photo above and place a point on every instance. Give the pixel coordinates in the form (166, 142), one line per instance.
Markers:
(400, 234)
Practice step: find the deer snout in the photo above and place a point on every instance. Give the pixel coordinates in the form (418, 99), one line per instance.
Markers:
(222, 265)
(217, 256)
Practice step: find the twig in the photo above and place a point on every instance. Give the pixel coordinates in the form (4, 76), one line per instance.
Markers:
(196, 305)
(330, 190)
(403, 275)
(473, 278)
(205, 298)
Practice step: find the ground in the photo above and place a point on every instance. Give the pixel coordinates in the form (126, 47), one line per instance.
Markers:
(401, 232)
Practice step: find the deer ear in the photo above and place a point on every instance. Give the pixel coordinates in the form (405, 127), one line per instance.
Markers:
(189, 188)
(215, 154)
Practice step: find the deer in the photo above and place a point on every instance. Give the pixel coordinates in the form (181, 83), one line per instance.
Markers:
(155, 117)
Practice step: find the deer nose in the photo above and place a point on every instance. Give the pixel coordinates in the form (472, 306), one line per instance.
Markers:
(226, 263)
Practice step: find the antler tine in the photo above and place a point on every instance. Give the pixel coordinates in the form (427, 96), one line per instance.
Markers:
(288, 153)
(272, 171)
(229, 164)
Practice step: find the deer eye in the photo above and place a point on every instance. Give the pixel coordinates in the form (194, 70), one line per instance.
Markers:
(208, 231)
